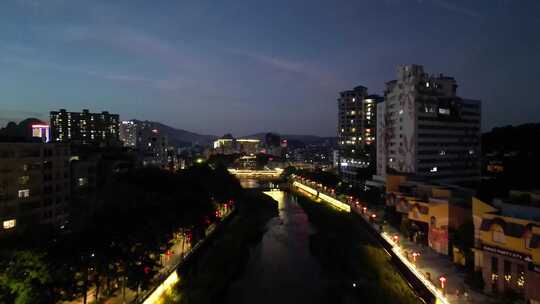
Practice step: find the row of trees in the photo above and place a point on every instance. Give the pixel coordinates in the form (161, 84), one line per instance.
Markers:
(143, 210)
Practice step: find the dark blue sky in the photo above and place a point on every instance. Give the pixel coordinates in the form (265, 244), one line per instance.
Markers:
(248, 66)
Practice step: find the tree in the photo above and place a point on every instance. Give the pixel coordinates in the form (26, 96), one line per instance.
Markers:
(463, 239)
(27, 279)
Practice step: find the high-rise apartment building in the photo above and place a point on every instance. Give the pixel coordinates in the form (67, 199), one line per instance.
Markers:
(34, 185)
(356, 132)
(85, 128)
(151, 144)
(424, 129)
(128, 133)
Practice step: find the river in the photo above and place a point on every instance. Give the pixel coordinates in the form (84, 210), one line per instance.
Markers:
(281, 268)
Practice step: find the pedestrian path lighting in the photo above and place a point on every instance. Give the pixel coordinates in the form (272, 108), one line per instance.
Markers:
(415, 255)
(442, 279)
(396, 239)
(364, 210)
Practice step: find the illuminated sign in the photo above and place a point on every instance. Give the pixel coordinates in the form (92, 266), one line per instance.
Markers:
(41, 131)
(507, 253)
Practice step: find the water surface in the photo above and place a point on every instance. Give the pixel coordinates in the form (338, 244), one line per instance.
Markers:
(281, 268)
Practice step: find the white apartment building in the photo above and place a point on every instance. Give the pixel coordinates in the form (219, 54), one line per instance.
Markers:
(424, 129)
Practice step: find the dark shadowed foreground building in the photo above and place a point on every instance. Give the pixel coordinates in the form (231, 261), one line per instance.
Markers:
(34, 185)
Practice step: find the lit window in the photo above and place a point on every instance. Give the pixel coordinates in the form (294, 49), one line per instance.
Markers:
(24, 193)
(444, 111)
(23, 180)
(434, 169)
(400, 111)
(9, 224)
(427, 84)
(82, 181)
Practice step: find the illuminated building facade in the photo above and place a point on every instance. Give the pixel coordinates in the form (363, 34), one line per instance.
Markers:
(152, 145)
(507, 244)
(248, 146)
(357, 119)
(225, 145)
(128, 133)
(85, 128)
(229, 145)
(431, 209)
(41, 131)
(34, 185)
(426, 130)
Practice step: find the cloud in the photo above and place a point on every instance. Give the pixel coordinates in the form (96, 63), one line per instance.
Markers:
(127, 40)
(36, 63)
(307, 70)
(451, 6)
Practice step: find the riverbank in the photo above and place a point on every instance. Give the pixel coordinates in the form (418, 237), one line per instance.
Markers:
(207, 279)
(351, 259)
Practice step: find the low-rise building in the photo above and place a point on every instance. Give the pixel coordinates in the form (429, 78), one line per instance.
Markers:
(229, 145)
(248, 146)
(507, 244)
(433, 210)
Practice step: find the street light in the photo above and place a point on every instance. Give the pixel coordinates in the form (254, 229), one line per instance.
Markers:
(396, 239)
(415, 255)
(442, 279)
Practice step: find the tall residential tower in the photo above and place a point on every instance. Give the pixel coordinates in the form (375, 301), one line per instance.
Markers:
(356, 132)
(425, 130)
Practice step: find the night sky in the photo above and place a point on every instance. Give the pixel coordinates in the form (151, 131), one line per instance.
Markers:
(250, 66)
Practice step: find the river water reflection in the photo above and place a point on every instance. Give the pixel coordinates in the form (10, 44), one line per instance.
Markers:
(281, 268)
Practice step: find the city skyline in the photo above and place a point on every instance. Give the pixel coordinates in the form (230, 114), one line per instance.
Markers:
(240, 68)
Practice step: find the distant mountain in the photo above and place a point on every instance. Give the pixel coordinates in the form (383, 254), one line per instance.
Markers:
(23, 130)
(306, 139)
(182, 138)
